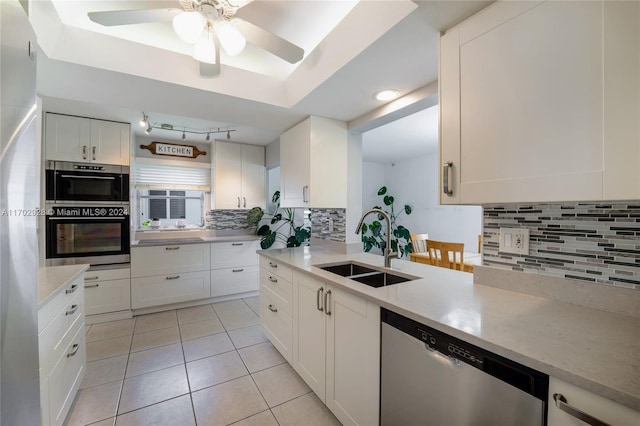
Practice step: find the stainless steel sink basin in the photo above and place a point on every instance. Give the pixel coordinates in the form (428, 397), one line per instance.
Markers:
(171, 241)
(364, 274)
(347, 269)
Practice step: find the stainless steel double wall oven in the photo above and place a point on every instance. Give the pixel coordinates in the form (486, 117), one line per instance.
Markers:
(87, 213)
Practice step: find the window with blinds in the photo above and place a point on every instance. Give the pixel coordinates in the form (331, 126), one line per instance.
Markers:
(160, 176)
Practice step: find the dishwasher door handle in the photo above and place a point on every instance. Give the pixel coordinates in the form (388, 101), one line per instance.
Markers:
(562, 404)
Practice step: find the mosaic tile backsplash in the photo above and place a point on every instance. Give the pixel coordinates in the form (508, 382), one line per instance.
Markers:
(321, 224)
(597, 242)
(227, 220)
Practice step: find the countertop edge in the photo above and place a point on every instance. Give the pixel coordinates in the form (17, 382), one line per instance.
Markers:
(600, 389)
(205, 240)
(52, 279)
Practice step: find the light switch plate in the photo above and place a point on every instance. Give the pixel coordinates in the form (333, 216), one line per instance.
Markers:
(514, 240)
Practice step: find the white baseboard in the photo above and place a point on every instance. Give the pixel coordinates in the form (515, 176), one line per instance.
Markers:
(111, 316)
(191, 303)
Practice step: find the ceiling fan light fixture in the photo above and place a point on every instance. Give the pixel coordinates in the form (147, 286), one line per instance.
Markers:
(205, 49)
(230, 38)
(189, 25)
(387, 94)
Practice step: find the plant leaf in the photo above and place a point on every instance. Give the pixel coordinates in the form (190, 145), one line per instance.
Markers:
(407, 209)
(388, 200)
(402, 232)
(375, 228)
(276, 197)
(394, 245)
(302, 234)
(365, 228)
(268, 240)
(382, 190)
(276, 218)
(264, 230)
(293, 242)
(254, 216)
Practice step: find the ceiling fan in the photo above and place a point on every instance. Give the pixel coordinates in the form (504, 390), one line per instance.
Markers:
(208, 24)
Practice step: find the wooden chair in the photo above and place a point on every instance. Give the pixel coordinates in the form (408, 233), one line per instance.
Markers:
(479, 243)
(419, 242)
(442, 253)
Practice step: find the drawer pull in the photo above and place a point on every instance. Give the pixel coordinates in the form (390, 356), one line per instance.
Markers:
(72, 311)
(75, 347)
(238, 270)
(91, 278)
(173, 277)
(237, 244)
(273, 265)
(172, 248)
(272, 309)
(92, 285)
(561, 403)
(72, 289)
(273, 280)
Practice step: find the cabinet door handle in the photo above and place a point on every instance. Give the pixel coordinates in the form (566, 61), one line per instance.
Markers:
(319, 298)
(84, 152)
(244, 202)
(273, 280)
(91, 278)
(447, 178)
(75, 348)
(238, 202)
(238, 270)
(72, 311)
(172, 248)
(561, 403)
(273, 265)
(237, 244)
(72, 289)
(272, 309)
(173, 277)
(327, 302)
(305, 194)
(93, 152)
(92, 285)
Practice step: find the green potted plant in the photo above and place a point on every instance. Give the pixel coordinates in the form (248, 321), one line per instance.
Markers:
(374, 235)
(283, 221)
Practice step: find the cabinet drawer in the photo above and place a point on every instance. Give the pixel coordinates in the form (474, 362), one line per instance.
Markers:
(65, 378)
(170, 288)
(55, 337)
(277, 288)
(170, 259)
(278, 268)
(277, 326)
(234, 280)
(52, 308)
(107, 275)
(234, 253)
(107, 296)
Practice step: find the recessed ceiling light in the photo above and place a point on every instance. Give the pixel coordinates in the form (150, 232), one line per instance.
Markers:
(387, 95)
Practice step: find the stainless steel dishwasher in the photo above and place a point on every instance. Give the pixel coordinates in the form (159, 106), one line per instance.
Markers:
(431, 378)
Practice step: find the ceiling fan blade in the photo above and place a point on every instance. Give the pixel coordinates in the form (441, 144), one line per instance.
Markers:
(128, 17)
(211, 70)
(270, 42)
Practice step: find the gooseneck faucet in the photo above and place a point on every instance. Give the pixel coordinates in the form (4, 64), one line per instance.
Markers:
(388, 254)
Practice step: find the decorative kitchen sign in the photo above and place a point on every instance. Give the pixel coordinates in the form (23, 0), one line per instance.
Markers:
(173, 149)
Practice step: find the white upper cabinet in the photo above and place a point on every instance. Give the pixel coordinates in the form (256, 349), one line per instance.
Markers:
(240, 176)
(69, 138)
(313, 164)
(539, 101)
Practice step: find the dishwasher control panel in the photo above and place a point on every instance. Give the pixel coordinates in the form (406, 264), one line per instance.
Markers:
(443, 343)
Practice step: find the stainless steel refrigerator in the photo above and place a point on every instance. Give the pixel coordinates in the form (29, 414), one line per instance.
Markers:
(19, 196)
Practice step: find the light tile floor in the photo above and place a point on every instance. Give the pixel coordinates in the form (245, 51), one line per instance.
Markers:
(206, 365)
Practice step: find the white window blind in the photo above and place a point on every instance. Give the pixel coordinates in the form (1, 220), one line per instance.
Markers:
(155, 176)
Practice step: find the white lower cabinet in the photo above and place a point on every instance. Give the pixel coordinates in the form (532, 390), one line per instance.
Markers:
(596, 406)
(276, 306)
(171, 288)
(107, 291)
(336, 348)
(62, 353)
(234, 267)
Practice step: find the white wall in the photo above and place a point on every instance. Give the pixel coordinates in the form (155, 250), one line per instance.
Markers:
(415, 182)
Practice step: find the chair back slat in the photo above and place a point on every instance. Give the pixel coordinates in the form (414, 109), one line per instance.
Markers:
(419, 242)
(446, 254)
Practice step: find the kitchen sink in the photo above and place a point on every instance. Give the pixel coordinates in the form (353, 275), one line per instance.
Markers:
(347, 269)
(365, 274)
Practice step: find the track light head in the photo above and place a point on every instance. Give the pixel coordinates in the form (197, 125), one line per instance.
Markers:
(144, 121)
(148, 129)
(183, 135)
(208, 137)
(228, 134)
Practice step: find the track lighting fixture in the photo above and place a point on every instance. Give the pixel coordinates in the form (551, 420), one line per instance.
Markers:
(184, 131)
(144, 121)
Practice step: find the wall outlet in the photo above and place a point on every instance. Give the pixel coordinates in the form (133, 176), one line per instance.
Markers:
(514, 240)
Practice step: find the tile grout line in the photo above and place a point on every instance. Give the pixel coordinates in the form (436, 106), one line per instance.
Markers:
(124, 377)
(186, 372)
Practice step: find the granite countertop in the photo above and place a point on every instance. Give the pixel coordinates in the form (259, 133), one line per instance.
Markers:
(53, 278)
(596, 350)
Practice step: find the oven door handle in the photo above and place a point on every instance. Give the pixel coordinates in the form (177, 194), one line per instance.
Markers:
(88, 177)
(87, 218)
